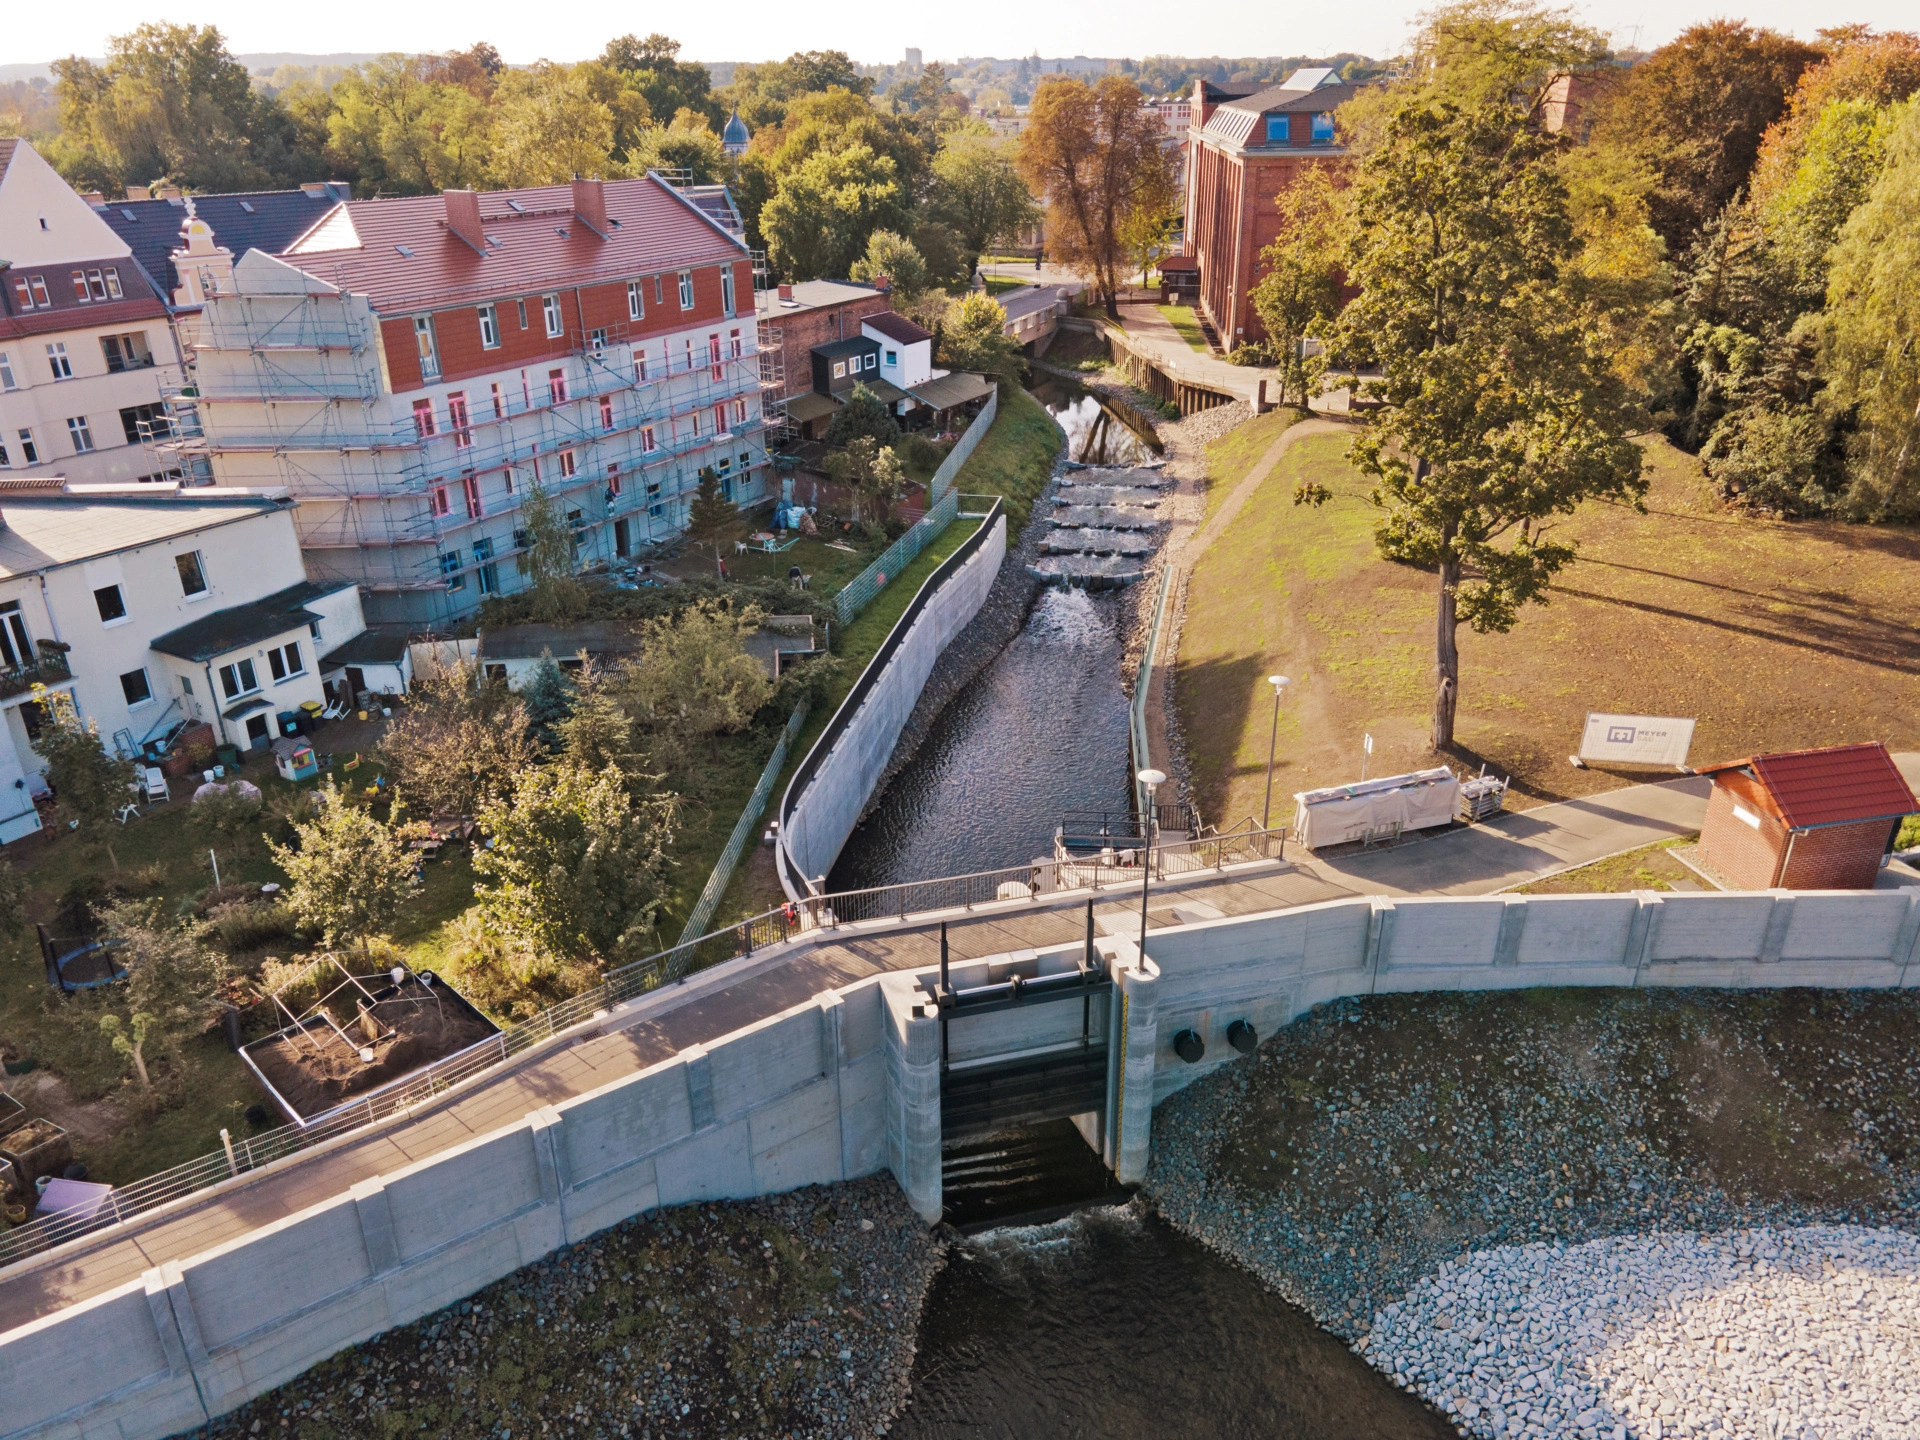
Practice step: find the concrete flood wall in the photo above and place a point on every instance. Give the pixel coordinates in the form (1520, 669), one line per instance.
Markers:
(833, 784)
(795, 1100)
(845, 1085)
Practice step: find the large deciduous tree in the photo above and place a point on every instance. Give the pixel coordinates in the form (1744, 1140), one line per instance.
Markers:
(1695, 110)
(1095, 153)
(654, 67)
(980, 191)
(1500, 407)
(1871, 331)
(350, 873)
(577, 864)
(1299, 295)
(457, 742)
(819, 221)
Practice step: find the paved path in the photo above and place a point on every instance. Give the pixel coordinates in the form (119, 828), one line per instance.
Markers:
(1147, 330)
(1492, 857)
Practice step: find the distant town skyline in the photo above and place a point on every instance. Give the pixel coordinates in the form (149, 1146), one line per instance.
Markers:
(870, 33)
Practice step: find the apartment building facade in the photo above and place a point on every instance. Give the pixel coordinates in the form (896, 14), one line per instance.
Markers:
(86, 349)
(411, 368)
(155, 608)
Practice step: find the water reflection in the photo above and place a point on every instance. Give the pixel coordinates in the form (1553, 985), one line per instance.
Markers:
(1042, 730)
(1095, 434)
(1111, 1325)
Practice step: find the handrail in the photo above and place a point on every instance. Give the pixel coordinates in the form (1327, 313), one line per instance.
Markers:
(792, 880)
(1142, 679)
(434, 1082)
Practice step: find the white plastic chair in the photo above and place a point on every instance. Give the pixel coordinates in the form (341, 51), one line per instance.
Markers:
(155, 783)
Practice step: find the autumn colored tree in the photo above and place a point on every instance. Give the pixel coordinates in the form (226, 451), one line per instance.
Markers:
(1694, 113)
(1859, 65)
(1095, 153)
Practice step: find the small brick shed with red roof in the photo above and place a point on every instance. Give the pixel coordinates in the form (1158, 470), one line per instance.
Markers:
(1805, 819)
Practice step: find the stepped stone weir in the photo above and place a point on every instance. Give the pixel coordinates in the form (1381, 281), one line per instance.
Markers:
(1085, 540)
(1111, 517)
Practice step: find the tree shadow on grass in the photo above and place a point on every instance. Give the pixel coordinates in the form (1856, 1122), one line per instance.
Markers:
(1215, 700)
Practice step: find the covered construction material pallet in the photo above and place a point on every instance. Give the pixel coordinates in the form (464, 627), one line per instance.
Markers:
(1375, 809)
(1481, 798)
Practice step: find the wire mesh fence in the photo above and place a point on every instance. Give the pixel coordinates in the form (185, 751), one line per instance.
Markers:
(859, 591)
(743, 829)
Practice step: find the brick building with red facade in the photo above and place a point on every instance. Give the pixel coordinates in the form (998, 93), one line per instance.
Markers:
(796, 318)
(1805, 819)
(1242, 151)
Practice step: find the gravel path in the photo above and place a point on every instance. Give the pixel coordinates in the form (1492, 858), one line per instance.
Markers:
(793, 1316)
(1767, 1333)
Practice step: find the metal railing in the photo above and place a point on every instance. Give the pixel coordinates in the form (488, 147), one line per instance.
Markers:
(50, 668)
(1031, 882)
(858, 592)
(1143, 678)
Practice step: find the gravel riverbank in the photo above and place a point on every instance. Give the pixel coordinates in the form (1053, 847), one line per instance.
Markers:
(1767, 1333)
(1375, 1139)
(793, 1316)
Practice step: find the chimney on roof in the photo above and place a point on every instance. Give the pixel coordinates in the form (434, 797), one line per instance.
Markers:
(138, 192)
(166, 192)
(882, 284)
(314, 189)
(94, 198)
(786, 292)
(463, 218)
(590, 204)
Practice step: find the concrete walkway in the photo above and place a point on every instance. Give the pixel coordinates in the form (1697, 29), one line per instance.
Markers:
(1148, 332)
(1493, 857)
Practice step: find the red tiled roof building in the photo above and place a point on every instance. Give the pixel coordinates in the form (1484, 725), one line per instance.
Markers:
(412, 367)
(1805, 819)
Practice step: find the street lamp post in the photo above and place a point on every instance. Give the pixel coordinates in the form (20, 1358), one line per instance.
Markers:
(1279, 683)
(1153, 780)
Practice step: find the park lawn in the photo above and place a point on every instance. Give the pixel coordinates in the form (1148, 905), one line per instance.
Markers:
(1015, 461)
(998, 285)
(1772, 635)
(830, 566)
(1651, 867)
(1235, 453)
(1186, 324)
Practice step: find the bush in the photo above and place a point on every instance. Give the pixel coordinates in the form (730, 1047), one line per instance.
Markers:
(917, 452)
(1253, 352)
(236, 927)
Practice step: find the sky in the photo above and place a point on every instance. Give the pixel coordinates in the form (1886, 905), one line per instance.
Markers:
(872, 31)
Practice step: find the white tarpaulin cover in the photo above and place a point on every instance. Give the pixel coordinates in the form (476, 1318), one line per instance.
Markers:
(1636, 740)
(1340, 813)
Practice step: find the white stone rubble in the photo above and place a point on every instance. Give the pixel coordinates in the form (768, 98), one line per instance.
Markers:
(1798, 1333)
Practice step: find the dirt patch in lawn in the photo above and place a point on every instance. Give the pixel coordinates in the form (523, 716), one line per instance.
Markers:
(1771, 635)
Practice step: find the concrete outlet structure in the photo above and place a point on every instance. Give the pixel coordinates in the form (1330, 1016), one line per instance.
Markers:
(846, 1084)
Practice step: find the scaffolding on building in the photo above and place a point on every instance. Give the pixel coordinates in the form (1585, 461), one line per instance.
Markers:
(613, 436)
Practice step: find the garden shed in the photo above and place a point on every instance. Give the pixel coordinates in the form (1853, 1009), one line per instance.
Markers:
(1805, 819)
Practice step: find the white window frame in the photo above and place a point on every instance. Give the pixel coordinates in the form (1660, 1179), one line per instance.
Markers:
(58, 361)
(277, 662)
(636, 301)
(7, 382)
(686, 290)
(489, 328)
(550, 312)
(233, 668)
(81, 433)
(29, 447)
(145, 680)
(726, 289)
(199, 564)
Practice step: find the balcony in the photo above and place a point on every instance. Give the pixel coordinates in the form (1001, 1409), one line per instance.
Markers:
(49, 669)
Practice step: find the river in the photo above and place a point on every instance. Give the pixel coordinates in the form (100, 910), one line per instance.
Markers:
(1109, 1324)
